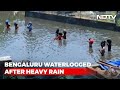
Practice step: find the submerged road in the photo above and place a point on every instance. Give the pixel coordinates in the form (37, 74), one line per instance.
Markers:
(41, 46)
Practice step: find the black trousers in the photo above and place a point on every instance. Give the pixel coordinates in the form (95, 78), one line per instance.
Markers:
(90, 45)
(109, 47)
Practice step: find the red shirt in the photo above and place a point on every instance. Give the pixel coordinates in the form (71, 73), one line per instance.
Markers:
(59, 37)
(91, 41)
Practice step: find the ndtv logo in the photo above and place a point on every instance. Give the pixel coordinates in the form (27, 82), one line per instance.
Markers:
(103, 17)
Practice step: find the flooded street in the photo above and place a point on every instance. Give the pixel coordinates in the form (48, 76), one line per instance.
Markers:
(41, 46)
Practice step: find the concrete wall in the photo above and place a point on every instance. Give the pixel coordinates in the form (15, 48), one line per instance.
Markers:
(70, 20)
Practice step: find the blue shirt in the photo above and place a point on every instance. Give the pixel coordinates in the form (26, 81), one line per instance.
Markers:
(29, 26)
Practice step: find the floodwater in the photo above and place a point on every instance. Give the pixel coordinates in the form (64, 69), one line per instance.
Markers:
(41, 46)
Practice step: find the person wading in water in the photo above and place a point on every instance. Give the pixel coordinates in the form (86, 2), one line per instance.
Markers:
(29, 26)
(103, 43)
(59, 39)
(7, 25)
(109, 44)
(102, 51)
(64, 34)
(91, 41)
(16, 27)
(57, 32)
(64, 37)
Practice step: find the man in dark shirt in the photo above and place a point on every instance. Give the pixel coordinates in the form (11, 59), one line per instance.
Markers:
(57, 32)
(64, 34)
(103, 44)
(109, 44)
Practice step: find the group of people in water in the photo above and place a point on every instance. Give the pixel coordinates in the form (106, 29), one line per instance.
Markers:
(61, 36)
(103, 44)
(8, 28)
(7, 23)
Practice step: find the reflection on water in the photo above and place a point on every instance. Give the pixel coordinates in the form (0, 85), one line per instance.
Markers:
(10, 40)
(102, 58)
(64, 42)
(16, 31)
(109, 56)
(41, 46)
(90, 50)
(59, 42)
(76, 47)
